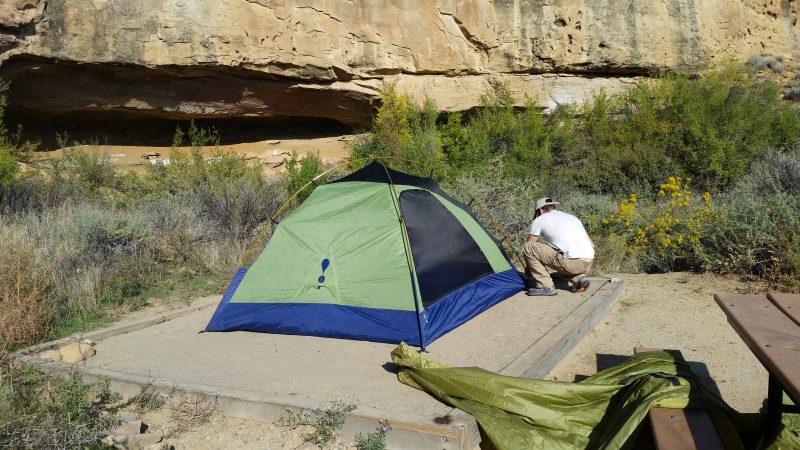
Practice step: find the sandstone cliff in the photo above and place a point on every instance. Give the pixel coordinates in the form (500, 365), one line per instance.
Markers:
(327, 58)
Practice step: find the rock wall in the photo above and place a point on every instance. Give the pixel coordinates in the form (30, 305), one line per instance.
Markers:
(328, 58)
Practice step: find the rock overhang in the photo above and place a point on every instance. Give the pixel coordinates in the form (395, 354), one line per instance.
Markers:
(194, 59)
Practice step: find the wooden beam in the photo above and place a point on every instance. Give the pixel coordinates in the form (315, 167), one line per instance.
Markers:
(683, 429)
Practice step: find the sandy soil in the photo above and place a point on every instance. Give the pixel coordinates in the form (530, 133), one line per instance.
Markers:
(268, 153)
(664, 311)
(675, 311)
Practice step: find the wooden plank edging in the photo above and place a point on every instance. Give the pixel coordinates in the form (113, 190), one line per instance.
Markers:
(541, 357)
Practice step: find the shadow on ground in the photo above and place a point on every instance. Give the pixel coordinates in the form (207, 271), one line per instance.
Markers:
(605, 361)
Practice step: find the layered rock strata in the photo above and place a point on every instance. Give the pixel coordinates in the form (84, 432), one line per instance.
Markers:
(328, 58)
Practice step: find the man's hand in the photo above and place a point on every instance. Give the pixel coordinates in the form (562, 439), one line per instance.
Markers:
(532, 238)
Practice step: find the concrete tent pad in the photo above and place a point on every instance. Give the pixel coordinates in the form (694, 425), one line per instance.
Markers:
(323, 369)
(309, 371)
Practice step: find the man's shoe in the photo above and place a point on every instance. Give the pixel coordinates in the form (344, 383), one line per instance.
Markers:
(536, 292)
(581, 285)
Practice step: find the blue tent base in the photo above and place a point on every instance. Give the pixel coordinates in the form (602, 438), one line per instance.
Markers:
(368, 324)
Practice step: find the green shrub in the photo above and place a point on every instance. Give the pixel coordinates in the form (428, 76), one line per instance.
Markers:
(181, 227)
(392, 125)
(523, 140)
(709, 127)
(301, 174)
(230, 197)
(12, 142)
(488, 134)
(95, 260)
(109, 240)
(756, 230)
(85, 171)
(205, 165)
(504, 204)
(774, 171)
(722, 121)
(103, 234)
(404, 134)
(86, 240)
(235, 207)
(93, 254)
(24, 195)
(8, 166)
(754, 235)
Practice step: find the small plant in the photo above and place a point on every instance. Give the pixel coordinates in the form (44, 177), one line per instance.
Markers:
(793, 93)
(148, 399)
(765, 61)
(26, 306)
(190, 412)
(324, 421)
(41, 411)
(375, 440)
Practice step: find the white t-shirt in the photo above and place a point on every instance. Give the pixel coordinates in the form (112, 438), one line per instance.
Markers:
(564, 232)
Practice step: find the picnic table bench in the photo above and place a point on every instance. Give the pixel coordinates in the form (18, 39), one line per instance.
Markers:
(770, 326)
(681, 429)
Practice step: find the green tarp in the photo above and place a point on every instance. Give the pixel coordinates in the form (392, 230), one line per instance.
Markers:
(601, 412)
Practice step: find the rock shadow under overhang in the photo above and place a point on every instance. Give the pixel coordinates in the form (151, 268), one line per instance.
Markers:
(178, 93)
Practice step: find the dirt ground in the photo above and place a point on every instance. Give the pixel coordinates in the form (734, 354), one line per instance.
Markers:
(664, 311)
(270, 154)
(676, 311)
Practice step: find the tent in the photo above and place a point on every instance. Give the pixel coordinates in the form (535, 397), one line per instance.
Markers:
(378, 255)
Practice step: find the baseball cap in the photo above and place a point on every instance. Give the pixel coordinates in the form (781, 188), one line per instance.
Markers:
(545, 201)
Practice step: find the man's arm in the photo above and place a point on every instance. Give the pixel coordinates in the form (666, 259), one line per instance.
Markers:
(532, 238)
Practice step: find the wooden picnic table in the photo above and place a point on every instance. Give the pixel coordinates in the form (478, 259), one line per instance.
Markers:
(770, 326)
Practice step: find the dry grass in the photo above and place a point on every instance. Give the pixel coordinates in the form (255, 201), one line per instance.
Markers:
(188, 412)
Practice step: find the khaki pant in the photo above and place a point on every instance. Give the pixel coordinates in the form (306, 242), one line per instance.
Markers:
(541, 259)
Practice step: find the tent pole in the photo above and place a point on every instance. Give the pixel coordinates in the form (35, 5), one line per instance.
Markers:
(416, 307)
(409, 257)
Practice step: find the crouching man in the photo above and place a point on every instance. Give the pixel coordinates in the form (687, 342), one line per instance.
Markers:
(568, 250)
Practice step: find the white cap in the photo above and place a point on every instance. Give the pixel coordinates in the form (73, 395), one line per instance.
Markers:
(544, 201)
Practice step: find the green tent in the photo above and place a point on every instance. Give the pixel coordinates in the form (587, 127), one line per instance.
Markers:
(378, 255)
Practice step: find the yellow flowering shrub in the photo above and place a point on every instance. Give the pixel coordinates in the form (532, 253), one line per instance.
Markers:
(672, 226)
